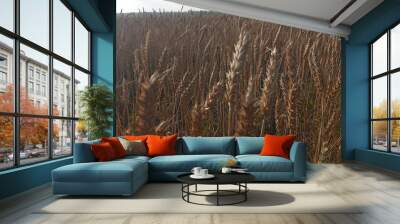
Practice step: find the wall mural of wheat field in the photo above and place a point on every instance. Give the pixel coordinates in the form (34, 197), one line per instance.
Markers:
(209, 74)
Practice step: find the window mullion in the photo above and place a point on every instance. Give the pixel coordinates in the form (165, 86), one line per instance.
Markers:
(389, 106)
(73, 82)
(50, 81)
(16, 70)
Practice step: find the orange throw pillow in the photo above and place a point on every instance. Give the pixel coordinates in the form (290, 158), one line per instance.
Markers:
(135, 137)
(103, 152)
(277, 145)
(116, 145)
(161, 145)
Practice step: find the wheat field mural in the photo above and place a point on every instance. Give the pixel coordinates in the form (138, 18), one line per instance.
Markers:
(210, 74)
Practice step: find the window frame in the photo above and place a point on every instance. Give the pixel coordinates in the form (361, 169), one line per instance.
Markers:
(388, 74)
(16, 114)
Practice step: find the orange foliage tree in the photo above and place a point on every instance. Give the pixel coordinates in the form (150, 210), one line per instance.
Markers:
(380, 127)
(33, 130)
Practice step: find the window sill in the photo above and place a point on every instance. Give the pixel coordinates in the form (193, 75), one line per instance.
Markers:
(30, 166)
(381, 159)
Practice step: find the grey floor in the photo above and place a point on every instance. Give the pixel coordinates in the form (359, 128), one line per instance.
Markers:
(377, 188)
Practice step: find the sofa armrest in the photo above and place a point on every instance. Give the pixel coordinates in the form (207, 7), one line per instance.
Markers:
(83, 152)
(298, 155)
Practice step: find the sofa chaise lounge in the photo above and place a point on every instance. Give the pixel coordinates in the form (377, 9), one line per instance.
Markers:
(125, 176)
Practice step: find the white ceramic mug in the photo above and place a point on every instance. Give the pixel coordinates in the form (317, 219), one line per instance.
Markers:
(203, 172)
(226, 170)
(196, 171)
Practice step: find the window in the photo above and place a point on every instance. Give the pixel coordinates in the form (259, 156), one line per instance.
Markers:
(37, 74)
(43, 114)
(3, 61)
(6, 142)
(62, 137)
(35, 21)
(62, 29)
(6, 73)
(81, 45)
(30, 72)
(3, 72)
(7, 14)
(62, 74)
(385, 92)
(3, 78)
(37, 89)
(44, 91)
(81, 82)
(30, 88)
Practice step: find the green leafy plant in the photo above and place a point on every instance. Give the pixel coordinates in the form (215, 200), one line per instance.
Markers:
(96, 102)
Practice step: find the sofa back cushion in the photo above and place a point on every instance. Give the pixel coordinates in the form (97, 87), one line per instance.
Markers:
(249, 145)
(161, 145)
(207, 145)
(104, 152)
(83, 152)
(116, 145)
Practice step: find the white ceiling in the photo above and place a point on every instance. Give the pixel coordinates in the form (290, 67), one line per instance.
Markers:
(313, 15)
(320, 9)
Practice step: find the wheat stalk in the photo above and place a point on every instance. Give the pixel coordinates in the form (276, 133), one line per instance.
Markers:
(231, 76)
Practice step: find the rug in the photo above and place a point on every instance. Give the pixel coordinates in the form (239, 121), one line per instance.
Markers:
(166, 198)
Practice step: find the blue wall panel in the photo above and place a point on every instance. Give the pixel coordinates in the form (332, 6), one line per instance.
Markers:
(24, 178)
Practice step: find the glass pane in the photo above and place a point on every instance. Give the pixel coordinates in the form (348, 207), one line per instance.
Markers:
(395, 138)
(7, 14)
(62, 29)
(62, 89)
(395, 94)
(6, 74)
(34, 97)
(62, 138)
(379, 55)
(33, 139)
(81, 45)
(81, 81)
(6, 142)
(379, 135)
(395, 47)
(379, 97)
(35, 21)
(81, 131)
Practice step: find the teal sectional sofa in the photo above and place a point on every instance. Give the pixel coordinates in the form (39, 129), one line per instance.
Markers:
(125, 176)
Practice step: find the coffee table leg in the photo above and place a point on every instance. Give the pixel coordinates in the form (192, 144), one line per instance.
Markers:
(217, 194)
(245, 193)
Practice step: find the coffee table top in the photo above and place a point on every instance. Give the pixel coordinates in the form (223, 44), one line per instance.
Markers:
(220, 178)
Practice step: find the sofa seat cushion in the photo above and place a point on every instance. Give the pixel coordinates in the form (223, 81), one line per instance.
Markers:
(133, 157)
(112, 171)
(257, 163)
(185, 163)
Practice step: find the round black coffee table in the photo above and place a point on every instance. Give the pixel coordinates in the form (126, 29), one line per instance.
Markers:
(238, 179)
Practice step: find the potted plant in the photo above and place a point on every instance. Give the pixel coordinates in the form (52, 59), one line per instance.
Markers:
(96, 102)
